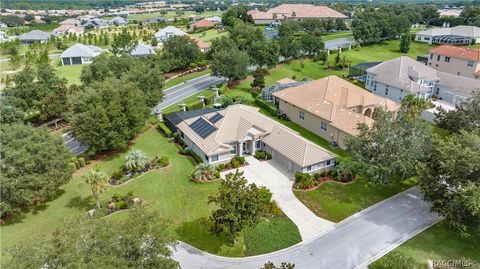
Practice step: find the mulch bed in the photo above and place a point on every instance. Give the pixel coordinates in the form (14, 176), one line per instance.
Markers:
(325, 180)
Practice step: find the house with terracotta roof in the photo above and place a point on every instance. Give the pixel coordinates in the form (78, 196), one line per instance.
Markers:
(203, 24)
(219, 135)
(461, 61)
(331, 107)
(295, 12)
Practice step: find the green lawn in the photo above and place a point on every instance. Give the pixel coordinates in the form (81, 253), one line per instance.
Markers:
(210, 34)
(439, 242)
(167, 191)
(335, 202)
(179, 80)
(70, 72)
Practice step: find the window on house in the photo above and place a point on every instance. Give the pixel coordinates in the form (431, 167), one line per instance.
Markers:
(257, 144)
(234, 150)
(431, 56)
(309, 168)
(329, 162)
(438, 57)
(323, 126)
(458, 73)
(375, 86)
(437, 91)
(386, 90)
(470, 63)
(447, 59)
(214, 158)
(301, 115)
(182, 135)
(206, 157)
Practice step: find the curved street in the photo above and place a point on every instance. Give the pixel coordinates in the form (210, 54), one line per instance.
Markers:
(353, 243)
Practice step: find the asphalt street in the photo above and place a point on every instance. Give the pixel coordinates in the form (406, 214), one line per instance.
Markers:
(352, 243)
(343, 42)
(188, 88)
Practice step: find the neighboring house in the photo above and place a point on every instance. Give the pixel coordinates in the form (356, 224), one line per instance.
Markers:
(216, 19)
(240, 130)
(34, 36)
(460, 61)
(164, 34)
(71, 22)
(3, 25)
(455, 89)
(281, 84)
(118, 21)
(79, 54)
(95, 23)
(331, 107)
(66, 29)
(294, 12)
(154, 20)
(142, 50)
(203, 46)
(458, 35)
(359, 71)
(396, 78)
(202, 24)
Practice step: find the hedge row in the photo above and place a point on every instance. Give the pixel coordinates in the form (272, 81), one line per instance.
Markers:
(164, 129)
(272, 110)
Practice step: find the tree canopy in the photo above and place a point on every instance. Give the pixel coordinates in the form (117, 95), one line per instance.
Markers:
(34, 165)
(140, 241)
(108, 114)
(466, 116)
(181, 50)
(450, 179)
(231, 63)
(123, 43)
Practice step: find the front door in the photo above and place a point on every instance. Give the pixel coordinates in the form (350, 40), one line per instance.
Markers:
(247, 147)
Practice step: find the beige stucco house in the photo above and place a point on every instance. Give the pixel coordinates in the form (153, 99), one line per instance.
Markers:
(218, 136)
(460, 61)
(331, 107)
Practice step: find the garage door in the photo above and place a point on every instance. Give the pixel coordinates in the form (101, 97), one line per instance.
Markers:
(282, 160)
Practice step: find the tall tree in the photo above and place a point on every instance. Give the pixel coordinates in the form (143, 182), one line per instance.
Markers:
(288, 28)
(429, 12)
(232, 64)
(311, 44)
(290, 47)
(450, 179)
(98, 70)
(182, 50)
(149, 79)
(466, 116)
(264, 53)
(140, 241)
(123, 43)
(9, 112)
(389, 148)
(97, 181)
(34, 165)
(220, 43)
(244, 35)
(405, 42)
(108, 114)
(238, 203)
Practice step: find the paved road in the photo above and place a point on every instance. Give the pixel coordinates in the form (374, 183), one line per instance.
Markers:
(181, 91)
(279, 181)
(343, 42)
(353, 243)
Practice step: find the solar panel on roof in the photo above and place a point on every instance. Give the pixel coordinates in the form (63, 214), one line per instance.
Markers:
(215, 118)
(202, 127)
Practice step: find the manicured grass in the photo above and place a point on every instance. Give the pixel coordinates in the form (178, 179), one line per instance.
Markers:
(71, 73)
(335, 202)
(330, 36)
(210, 34)
(270, 235)
(439, 242)
(179, 80)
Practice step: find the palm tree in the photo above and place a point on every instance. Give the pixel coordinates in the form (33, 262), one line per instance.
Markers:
(136, 160)
(203, 172)
(97, 180)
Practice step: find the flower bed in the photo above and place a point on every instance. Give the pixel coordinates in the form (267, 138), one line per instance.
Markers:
(234, 163)
(341, 174)
(115, 204)
(124, 174)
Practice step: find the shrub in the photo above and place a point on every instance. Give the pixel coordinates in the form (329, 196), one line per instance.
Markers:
(81, 161)
(121, 205)
(260, 155)
(267, 106)
(164, 161)
(239, 159)
(73, 167)
(221, 167)
(344, 172)
(192, 154)
(116, 197)
(235, 164)
(217, 174)
(275, 210)
(164, 129)
(304, 180)
(118, 175)
(204, 172)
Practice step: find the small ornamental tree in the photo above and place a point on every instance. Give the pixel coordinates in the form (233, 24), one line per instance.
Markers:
(239, 205)
(204, 172)
(97, 181)
(136, 160)
(405, 42)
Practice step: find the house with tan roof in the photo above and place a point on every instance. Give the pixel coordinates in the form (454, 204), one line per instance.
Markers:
(331, 107)
(219, 135)
(294, 12)
(460, 61)
(458, 35)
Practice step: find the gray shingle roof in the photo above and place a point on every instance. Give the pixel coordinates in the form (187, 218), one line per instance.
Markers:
(35, 35)
(142, 49)
(80, 50)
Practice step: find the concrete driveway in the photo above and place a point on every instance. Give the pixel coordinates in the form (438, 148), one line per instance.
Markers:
(353, 243)
(275, 177)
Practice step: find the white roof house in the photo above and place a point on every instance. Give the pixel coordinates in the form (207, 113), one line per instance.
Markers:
(214, 19)
(34, 36)
(79, 54)
(143, 50)
(167, 32)
(3, 36)
(458, 35)
(118, 21)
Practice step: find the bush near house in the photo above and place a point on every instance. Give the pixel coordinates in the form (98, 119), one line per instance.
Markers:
(272, 110)
(162, 127)
(262, 155)
(235, 162)
(304, 181)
